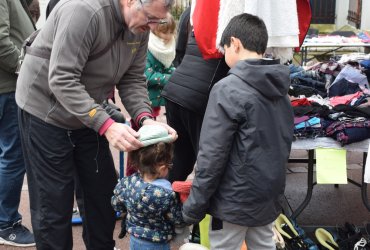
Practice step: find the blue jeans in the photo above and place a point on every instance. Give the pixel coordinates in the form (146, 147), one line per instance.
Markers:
(12, 167)
(139, 244)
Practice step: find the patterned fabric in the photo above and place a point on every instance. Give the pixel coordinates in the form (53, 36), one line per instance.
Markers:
(152, 211)
(349, 130)
(156, 77)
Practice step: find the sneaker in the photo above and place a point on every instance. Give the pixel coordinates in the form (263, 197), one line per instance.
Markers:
(362, 244)
(17, 235)
(294, 236)
(326, 239)
(76, 218)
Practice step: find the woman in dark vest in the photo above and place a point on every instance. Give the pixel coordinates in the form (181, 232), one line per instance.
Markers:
(186, 95)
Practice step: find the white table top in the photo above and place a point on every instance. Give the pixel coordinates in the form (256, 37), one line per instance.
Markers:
(309, 44)
(327, 142)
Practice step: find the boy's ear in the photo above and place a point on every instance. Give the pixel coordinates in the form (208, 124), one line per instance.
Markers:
(235, 43)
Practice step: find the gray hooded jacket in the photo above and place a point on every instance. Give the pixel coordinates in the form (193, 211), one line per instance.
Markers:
(244, 146)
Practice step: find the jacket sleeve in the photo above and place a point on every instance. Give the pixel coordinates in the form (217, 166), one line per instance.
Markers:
(74, 35)
(9, 53)
(174, 215)
(155, 78)
(217, 134)
(118, 197)
(132, 86)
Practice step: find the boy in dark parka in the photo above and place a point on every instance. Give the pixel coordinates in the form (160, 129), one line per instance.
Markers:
(245, 143)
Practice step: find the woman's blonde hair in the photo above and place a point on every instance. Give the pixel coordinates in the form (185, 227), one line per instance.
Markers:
(168, 27)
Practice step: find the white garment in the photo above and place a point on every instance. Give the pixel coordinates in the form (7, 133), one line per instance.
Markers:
(281, 19)
(165, 53)
(228, 9)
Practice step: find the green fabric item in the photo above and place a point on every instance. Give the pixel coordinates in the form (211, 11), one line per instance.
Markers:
(157, 77)
(152, 134)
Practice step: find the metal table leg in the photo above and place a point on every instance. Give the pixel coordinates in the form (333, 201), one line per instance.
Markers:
(310, 185)
(365, 200)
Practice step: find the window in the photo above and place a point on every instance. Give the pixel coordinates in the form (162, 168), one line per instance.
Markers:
(323, 12)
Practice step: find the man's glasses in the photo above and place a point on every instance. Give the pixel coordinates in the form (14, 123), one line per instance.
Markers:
(151, 20)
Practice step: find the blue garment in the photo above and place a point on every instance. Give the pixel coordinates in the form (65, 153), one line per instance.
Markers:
(139, 244)
(365, 64)
(163, 183)
(311, 122)
(343, 87)
(152, 208)
(353, 75)
(294, 69)
(12, 167)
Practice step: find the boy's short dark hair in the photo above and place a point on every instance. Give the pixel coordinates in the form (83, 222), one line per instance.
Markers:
(249, 29)
(146, 159)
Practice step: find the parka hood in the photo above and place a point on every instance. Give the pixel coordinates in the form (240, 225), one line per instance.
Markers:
(267, 76)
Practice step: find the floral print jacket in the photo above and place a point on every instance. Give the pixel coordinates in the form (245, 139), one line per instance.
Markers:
(152, 208)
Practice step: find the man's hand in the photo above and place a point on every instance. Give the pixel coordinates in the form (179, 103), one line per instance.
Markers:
(170, 130)
(122, 137)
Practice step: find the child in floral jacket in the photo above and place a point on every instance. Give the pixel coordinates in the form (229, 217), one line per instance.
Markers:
(159, 67)
(151, 205)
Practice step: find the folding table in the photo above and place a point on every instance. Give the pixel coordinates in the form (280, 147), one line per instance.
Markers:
(330, 48)
(325, 142)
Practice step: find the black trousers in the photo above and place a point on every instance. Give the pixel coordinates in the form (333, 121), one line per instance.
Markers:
(53, 156)
(187, 124)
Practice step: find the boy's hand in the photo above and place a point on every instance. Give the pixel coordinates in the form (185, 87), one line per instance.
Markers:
(189, 220)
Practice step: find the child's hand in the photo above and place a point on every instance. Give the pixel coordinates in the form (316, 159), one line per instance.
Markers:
(123, 227)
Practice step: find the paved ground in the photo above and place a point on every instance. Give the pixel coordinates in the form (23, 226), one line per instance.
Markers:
(329, 206)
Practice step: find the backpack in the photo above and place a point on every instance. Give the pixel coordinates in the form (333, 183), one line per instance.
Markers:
(43, 53)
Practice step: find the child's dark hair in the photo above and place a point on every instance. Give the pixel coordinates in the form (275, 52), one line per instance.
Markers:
(146, 159)
(250, 30)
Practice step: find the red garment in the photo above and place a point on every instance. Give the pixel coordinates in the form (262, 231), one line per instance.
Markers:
(304, 19)
(156, 112)
(301, 102)
(336, 100)
(205, 23)
(183, 188)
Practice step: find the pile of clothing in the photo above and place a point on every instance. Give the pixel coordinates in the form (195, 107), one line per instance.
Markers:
(332, 98)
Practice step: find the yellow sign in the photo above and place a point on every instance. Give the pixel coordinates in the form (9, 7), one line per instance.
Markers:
(331, 166)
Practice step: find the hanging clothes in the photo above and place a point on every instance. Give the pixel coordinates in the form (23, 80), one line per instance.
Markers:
(210, 18)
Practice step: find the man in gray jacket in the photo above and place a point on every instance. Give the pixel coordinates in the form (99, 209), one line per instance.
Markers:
(15, 26)
(64, 127)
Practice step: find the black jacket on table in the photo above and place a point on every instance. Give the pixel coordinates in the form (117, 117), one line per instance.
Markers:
(244, 146)
(190, 83)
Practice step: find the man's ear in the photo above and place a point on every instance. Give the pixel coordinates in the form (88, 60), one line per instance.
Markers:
(130, 2)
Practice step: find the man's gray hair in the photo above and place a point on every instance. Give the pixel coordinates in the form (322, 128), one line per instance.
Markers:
(167, 3)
